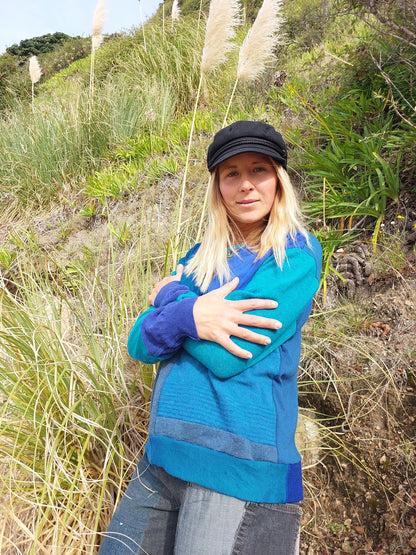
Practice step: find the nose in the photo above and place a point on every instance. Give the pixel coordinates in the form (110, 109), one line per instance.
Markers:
(245, 183)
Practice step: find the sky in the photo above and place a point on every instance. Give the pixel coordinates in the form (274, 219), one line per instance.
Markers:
(24, 19)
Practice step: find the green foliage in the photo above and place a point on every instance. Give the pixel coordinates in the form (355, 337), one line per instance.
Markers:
(7, 257)
(14, 81)
(122, 232)
(331, 239)
(37, 45)
(15, 84)
(352, 158)
(306, 21)
(65, 54)
(142, 148)
(106, 184)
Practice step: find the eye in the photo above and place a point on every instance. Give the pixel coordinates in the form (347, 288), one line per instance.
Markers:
(231, 173)
(259, 169)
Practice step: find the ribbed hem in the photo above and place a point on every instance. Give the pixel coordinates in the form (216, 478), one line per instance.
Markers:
(256, 481)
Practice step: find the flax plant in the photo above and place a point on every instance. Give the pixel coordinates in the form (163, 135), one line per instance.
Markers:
(223, 17)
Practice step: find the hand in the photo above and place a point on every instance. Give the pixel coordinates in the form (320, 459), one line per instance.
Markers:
(163, 282)
(216, 319)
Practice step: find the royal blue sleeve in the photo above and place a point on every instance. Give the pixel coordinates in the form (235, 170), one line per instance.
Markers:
(161, 330)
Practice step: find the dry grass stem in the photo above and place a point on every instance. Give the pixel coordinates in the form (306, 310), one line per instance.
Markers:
(142, 23)
(223, 16)
(257, 50)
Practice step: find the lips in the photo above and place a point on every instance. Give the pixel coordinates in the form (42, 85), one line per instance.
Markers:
(247, 202)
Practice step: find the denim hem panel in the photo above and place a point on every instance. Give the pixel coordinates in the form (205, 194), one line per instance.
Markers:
(268, 530)
(208, 522)
(163, 515)
(145, 520)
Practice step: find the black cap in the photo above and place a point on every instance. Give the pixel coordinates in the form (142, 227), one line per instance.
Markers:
(246, 136)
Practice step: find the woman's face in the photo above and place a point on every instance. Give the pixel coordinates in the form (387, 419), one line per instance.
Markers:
(248, 184)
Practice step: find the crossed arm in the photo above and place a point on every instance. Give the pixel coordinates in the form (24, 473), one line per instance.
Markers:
(228, 329)
(218, 319)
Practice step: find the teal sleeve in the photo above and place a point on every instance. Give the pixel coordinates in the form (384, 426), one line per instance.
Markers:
(135, 345)
(292, 286)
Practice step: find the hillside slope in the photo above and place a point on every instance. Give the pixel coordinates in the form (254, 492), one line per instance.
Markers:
(100, 194)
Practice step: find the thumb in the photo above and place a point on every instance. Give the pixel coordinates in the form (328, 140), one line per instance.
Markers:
(179, 272)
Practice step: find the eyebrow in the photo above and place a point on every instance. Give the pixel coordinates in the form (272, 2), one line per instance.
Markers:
(230, 165)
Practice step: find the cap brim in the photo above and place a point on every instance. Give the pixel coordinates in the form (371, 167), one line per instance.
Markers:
(239, 150)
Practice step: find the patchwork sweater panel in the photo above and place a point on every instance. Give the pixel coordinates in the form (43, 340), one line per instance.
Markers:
(223, 422)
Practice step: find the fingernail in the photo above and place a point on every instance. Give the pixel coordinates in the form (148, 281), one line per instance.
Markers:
(278, 325)
(267, 341)
(275, 304)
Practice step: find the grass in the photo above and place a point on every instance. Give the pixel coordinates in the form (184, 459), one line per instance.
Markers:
(73, 420)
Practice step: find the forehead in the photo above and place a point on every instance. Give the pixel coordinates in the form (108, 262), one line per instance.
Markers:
(244, 158)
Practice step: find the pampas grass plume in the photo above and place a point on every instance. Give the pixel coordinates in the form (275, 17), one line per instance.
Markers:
(223, 16)
(175, 10)
(257, 50)
(35, 71)
(97, 25)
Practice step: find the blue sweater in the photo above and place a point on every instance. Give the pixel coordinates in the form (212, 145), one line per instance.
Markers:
(220, 421)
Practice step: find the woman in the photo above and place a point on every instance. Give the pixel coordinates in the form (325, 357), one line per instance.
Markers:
(221, 473)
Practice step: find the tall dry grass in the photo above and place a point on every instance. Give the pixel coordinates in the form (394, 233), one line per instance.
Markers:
(73, 420)
(175, 11)
(219, 34)
(258, 49)
(96, 38)
(35, 72)
(223, 17)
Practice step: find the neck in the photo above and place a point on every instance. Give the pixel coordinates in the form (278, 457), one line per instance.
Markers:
(249, 234)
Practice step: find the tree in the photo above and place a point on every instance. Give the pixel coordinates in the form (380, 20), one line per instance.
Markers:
(37, 45)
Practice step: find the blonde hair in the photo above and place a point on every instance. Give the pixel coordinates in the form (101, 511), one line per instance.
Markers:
(222, 234)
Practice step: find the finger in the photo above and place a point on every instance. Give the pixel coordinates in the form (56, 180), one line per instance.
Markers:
(259, 322)
(179, 272)
(253, 337)
(224, 290)
(234, 349)
(245, 305)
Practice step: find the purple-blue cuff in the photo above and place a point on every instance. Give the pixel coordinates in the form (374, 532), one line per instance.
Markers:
(165, 329)
(169, 293)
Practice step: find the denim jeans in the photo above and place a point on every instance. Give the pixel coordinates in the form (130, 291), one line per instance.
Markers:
(162, 515)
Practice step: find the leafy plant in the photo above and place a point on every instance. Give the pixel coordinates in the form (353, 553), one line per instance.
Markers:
(356, 171)
(106, 184)
(122, 232)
